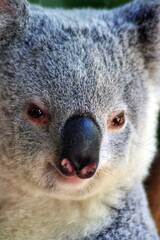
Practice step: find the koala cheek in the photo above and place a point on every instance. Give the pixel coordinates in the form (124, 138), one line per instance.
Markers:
(114, 149)
(105, 156)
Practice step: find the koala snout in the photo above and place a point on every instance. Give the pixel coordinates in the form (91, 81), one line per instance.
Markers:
(80, 147)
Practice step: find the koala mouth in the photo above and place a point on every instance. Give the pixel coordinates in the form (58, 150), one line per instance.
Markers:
(70, 175)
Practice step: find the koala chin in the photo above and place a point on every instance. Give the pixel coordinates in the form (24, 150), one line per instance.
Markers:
(79, 100)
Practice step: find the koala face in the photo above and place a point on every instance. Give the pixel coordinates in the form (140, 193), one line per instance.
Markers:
(74, 88)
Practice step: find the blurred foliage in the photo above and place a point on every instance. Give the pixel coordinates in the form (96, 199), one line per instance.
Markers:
(80, 3)
(159, 133)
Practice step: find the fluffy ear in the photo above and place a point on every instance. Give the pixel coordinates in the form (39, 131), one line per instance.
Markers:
(144, 15)
(13, 16)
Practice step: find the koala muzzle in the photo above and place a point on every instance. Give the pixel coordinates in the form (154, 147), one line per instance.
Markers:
(80, 147)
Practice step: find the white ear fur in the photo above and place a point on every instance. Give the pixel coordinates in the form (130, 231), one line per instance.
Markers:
(145, 16)
(153, 58)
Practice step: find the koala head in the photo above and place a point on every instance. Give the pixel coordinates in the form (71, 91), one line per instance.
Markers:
(75, 94)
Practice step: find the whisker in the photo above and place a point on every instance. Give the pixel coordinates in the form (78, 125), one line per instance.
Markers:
(146, 142)
(112, 207)
(142, 147)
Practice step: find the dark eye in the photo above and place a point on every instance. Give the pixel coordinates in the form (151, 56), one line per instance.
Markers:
(116, 121)
(37, 114)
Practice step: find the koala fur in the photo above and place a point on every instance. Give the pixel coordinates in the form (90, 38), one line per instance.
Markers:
(77, 62)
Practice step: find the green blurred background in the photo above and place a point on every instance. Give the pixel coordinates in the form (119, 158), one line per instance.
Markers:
(84, 3)
(80, 3)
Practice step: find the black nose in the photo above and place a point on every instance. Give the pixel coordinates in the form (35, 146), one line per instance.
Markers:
(80, 147)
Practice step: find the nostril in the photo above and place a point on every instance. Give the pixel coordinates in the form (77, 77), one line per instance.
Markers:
(88, 171)
(67, 167)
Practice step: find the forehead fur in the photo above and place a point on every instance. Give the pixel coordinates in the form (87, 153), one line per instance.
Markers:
(75, 59)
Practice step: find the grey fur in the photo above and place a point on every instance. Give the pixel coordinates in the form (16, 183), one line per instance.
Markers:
(134, 213)
(76, 61)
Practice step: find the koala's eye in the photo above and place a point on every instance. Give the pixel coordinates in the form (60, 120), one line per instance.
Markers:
(117, 121)
(37, 114)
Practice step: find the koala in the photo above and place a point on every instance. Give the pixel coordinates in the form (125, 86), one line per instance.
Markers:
(79, 100)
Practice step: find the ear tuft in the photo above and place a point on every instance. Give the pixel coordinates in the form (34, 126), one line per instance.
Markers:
(144, 15)
(13, 16)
